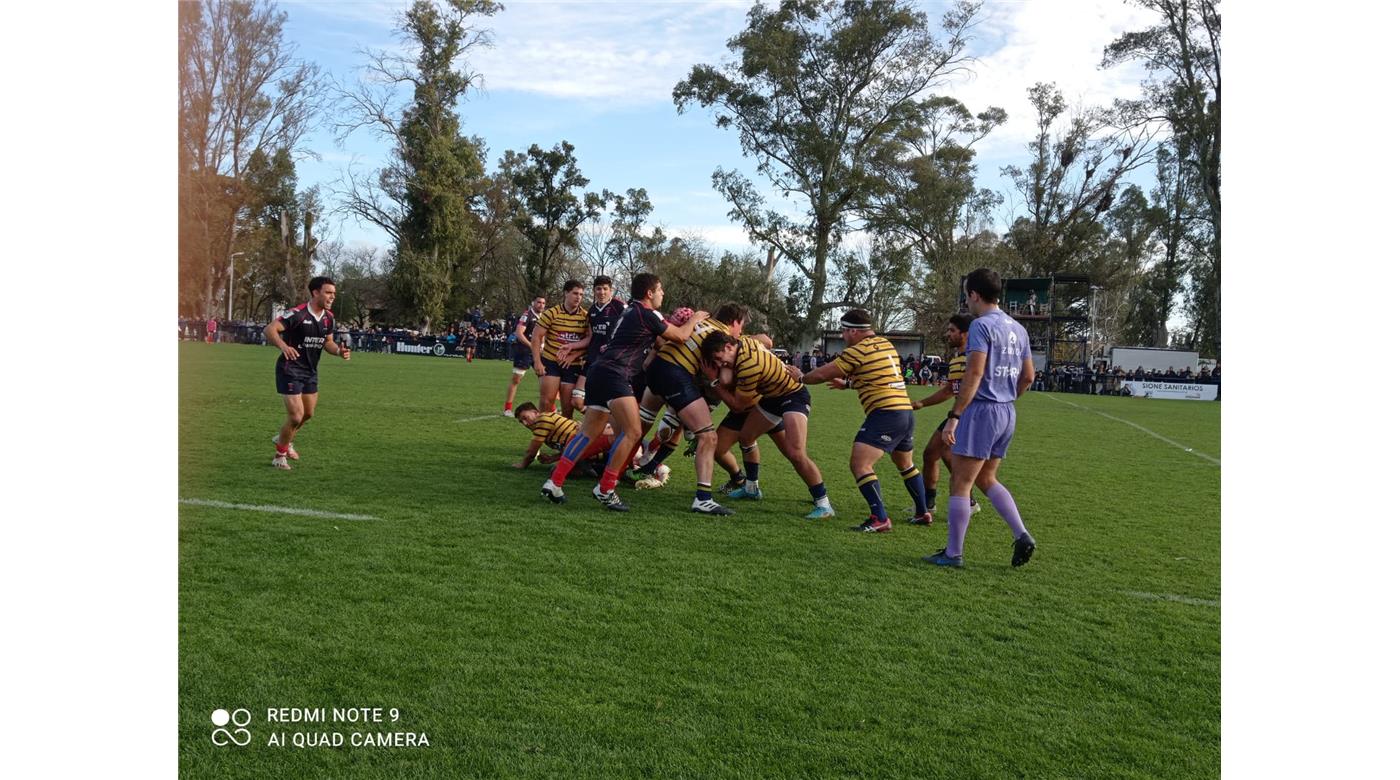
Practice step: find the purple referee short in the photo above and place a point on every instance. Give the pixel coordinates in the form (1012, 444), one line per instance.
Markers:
(985, 430)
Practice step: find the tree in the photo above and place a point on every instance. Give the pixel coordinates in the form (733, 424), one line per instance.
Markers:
(361, 281)
(548, 210)
(1182, 56)
(926, 197)
(1070, 182)
(876, 276)
(241, 91)
(817, 87)
(629, 246)
(274, 238)
(422, 198)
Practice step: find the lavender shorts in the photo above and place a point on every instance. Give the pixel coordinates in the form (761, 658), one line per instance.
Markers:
(985, 430)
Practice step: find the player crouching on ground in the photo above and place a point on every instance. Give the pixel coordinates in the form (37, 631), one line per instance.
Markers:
(309, 328)
(555, 430)
(983, 419)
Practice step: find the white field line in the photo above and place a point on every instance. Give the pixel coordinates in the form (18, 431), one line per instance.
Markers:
(1195, 602)
(1153, 434)
(285, 510)
(482, 417)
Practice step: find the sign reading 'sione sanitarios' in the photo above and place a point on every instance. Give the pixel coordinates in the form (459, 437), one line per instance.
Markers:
(1179, 391)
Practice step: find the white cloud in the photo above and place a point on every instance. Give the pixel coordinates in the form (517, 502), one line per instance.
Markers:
(1060, 42)
(622, 52)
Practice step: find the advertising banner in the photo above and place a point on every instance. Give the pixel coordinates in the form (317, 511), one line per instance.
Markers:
(1180, 391)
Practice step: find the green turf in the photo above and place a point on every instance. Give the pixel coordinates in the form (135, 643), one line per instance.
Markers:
(529, 640)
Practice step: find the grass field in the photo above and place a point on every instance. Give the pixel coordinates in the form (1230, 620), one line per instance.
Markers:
(528, 640)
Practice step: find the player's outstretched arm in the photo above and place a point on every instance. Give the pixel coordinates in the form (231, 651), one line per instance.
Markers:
(273, 332)
(939, 396)
(817, 376)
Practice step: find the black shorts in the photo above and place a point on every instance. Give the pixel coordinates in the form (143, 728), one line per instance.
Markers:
(799, 402)
(605, 384)
(294, 381)
(673, 383)
(568, 375)
(734, 421)
(891, 430)
(523, 359)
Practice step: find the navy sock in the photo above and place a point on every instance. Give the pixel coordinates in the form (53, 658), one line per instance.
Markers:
(915, 485)
(869, 485)
(702, 492)
(818, 490)
(751, 471)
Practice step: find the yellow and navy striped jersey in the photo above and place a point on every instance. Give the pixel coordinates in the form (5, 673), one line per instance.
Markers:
(686, 354)
(554, 429)
(759, 372)
(561, 326)
(956, 368)
(872, 366)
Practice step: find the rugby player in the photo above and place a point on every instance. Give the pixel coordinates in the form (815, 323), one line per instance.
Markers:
(764, 395)
(611, 389)
(870, 364)
(673, 380)
(983, 419)
(559, 325)
(956, 334)
(521, 356)
(555, 430)
(308, 328)
(469, 342)
(602, 316)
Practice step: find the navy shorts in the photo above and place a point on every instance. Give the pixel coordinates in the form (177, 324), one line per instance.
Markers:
(568, 375)
(888, 429)
(734, 421)
(673, 383)
(604, 385)
(523, 359)
(294, 382)
(985, 430)
(774, 408)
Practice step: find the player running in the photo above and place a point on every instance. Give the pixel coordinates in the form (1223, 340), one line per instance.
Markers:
(956, 334)
(763, 387)
(560, 325)
(610, 390)
(870, 364)
(521, 356)
(983, 419)
(309, 328)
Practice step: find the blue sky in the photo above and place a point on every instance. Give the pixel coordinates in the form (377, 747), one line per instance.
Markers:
(600, 74)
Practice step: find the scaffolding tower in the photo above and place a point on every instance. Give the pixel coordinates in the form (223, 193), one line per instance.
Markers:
(1058, 314)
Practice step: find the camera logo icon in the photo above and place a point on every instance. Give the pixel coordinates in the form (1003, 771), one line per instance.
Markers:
(238, 734)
